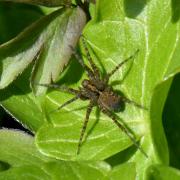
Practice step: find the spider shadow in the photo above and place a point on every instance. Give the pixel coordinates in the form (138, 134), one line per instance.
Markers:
(93, 126)
(119, 82)
(97, 120)
(121, 121)
(97, 115)
(122, 156)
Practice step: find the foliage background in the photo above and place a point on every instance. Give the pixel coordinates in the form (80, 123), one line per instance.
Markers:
(11, 15)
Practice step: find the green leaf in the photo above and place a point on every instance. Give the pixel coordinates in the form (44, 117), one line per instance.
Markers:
(36, 41)
(20, 156)
(24, 172)
(124, 172)
(16, 54)
(57, 170)
(10, 26)
(56, 51)
(18, 96)
(19, 101)
(113, 37)
(161, 172)
(77, 170)
(49, 3)
(22, 161)
(18, 149)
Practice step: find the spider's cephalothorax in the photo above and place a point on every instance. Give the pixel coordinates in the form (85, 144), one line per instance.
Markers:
(97, 90)
(104, 97)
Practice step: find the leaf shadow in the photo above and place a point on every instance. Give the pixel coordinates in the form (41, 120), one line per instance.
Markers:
(8, 13)
(15, 17)
(4, 166)
(175, 6)
(133, 8)
(72, 74)
(171, 121)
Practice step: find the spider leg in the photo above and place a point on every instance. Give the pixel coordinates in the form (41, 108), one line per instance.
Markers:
(134, 103)
(119, 65)
(124, 129)
(61, 88)
(81, 62)
(95, 69)
(65, 104)
(88, 112)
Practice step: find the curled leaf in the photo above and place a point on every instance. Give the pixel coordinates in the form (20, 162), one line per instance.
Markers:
(49, 3)
(56, 51)
(47, 40)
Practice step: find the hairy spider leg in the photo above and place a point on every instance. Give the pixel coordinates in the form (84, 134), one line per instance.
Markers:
(80, 60)
(61, 88)
(65, 104)
(106, 79)
(124, 129)
(64, 89)
(83, 129)
(94, 68)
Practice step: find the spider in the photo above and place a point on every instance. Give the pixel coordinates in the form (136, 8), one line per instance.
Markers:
(99, 93)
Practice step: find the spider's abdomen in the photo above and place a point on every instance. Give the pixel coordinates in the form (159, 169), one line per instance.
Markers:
(110, 101)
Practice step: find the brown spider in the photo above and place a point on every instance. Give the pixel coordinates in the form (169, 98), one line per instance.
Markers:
(99, 93)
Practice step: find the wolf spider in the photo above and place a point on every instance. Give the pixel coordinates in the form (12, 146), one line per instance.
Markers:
(99, 93)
